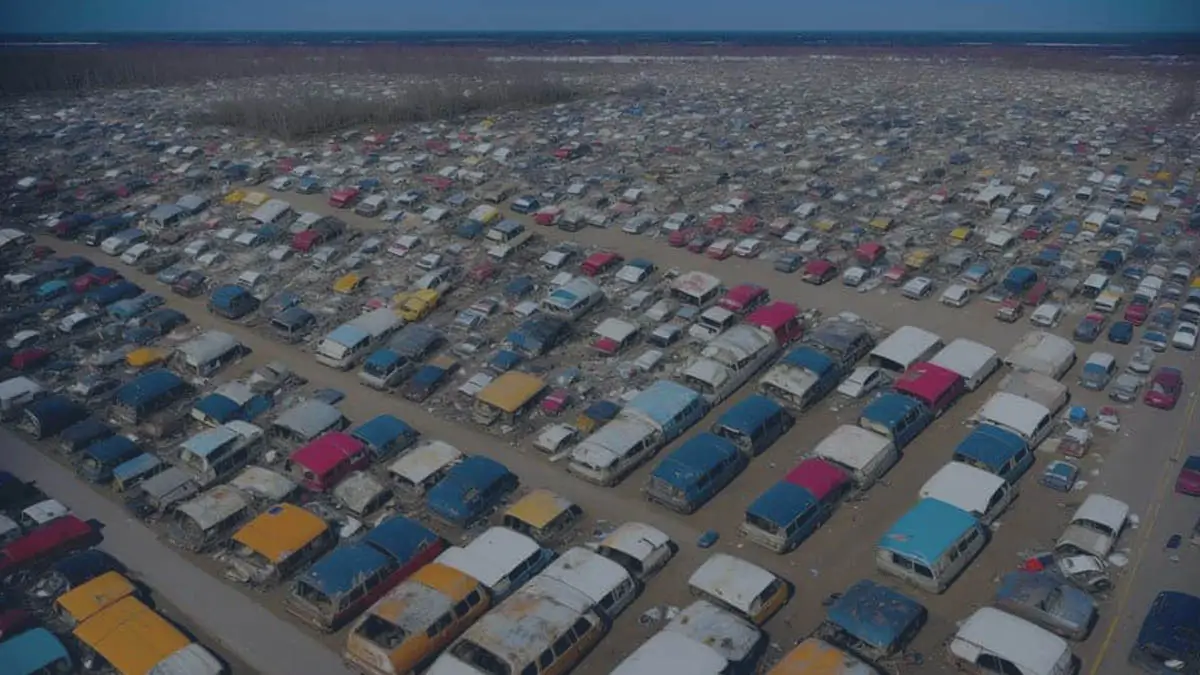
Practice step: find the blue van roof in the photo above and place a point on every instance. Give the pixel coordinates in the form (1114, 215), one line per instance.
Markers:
(340, 569)
(382, 358)
(990, 446)
(400, 539)
(111, 448)
(890, 408)
(749, 413)
(86, 565)
(56, 412)
(218, 407)
(31, 651)
(809, 358)
(147, 387)
(136, 466)
(381, 430)
(927, 530)
(663, 401)
(875, 614)
(448, 497)
(1170, 625)
(346, 334)
(692, 460)
(225, 295)
(781, 503)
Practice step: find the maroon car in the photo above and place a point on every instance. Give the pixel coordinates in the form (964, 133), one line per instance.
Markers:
(1165, 389)
(1188, 482)
(94, 278)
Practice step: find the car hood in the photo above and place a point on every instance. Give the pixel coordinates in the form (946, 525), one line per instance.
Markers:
(1086, 540)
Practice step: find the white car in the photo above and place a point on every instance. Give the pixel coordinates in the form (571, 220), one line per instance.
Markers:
(556, 438)
(1047, 315)
(749, 247)
(22, 339)
(957, 295)
(917, 288)
(1142, 360)
(1185, 336)
(864, 380)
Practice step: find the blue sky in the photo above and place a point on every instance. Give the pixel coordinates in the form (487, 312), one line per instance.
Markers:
(49, 16)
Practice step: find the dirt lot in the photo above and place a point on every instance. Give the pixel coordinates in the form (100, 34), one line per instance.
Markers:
(842, 551)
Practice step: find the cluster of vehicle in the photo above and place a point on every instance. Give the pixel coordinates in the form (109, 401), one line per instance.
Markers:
(69, 607)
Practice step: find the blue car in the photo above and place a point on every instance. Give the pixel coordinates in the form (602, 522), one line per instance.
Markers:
(1121, 333)
(1156, 340)
(1048, 601)
(470, 491)
(1167, 641)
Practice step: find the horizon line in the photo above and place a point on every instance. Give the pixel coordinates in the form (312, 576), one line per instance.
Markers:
(587, 31)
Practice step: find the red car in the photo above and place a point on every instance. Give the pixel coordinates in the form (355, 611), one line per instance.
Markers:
(599, 263)
(94, 278)
(1165, 389)
(680, 238)
(1137, 313)
(749, 225)
(344, 198)
(699, 243)
(715, 224)
(1188, 482)
(56, 537)
(819, 271)
(28, 359)
(558, 401)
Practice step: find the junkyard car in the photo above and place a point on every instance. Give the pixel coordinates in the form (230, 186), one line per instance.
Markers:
(1089, 327)
(1046, 600)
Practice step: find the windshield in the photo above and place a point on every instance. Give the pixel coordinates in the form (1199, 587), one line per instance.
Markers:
(381, 633)
(1053, 601)
(314, 597)
(698, 384)
(760, 523)
(1093, 526)
(484, 661)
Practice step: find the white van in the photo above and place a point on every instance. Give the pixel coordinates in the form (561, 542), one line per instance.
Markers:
(419, 469)
(214, 454)
(639, 548)
(672, 652)
(1107, 302)
(903, 348)
(996, 642)
(16, 393)
(617, 448)
(740, 587)
(738, 641)
(979, 493)
(500, 559)
(1095, 527)
(866, 455)
(1028, 419)
(975, 362)
(207, 353)
(1094, 285)
(608, 585)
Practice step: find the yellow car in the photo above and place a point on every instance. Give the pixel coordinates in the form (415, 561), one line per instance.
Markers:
(348, 283)
(419, 304)
(235, 197)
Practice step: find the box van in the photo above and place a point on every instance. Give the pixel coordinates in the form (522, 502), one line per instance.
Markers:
(753, 424)
(543, 515)
(1030, 420)
(695, 472)
(791, 510)
(639, 548)
(903, 348)
(930, 545)
(535, 631)
(399, 633)
(276, 543)
(740, 587)
(501, 559)
(865, 455)
(608, 586)
(980, 493)
(998, 451)
(997, 642)
(896, 417)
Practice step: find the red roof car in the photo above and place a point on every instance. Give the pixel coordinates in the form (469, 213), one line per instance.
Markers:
(1188, 482)
(1165, 388)
(28, 359)
(56, 537)
(1137, 313)
(96, 277)
(599, 263)
(558, 401)
(680, 238)
(343, 198)
(819, 271)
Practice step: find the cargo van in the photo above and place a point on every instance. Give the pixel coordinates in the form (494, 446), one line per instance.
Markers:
(740, 587)
(896, 417)
(543, 515)
(930, 545)
(980, 493)
(501, 559)
(609, 587)
(865, 455)
(695, 472)
(995, 450)
(790, 511)
(753, 424)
